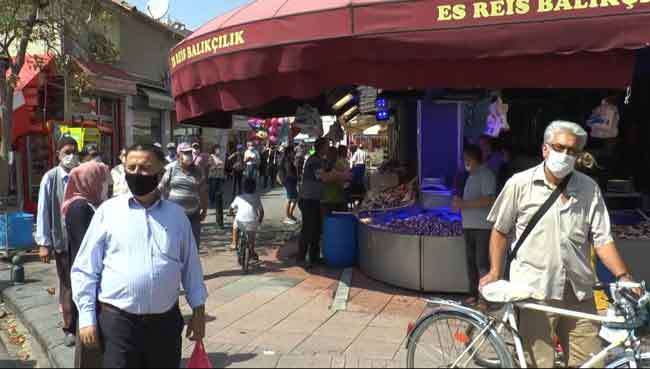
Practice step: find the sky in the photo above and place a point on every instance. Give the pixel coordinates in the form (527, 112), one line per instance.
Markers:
(194, 13)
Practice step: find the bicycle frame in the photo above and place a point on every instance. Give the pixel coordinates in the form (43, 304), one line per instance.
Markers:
(509, 320)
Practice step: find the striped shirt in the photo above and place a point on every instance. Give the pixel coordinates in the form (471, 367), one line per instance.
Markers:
(184, 188)
(136, 259)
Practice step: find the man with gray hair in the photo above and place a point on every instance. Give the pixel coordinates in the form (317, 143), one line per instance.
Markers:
(554, 254)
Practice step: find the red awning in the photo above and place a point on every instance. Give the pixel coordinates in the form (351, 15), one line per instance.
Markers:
(295, 48)
(107, 78)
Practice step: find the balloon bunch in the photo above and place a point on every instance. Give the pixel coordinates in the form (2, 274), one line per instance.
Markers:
(275, 130)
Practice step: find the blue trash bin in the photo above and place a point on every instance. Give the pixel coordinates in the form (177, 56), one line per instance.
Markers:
(341, 246)
(16, 231)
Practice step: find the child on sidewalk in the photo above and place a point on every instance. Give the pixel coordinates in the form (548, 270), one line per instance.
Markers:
(250, 214)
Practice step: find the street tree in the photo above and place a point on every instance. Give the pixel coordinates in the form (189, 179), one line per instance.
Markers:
(63, 29)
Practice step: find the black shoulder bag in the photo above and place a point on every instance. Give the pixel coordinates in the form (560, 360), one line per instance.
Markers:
(533, 222)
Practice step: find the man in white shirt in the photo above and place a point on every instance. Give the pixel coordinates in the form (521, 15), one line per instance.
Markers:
(252, 160)
(360, 157)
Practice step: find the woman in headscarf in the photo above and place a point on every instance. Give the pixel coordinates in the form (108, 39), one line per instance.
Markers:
(87, 189)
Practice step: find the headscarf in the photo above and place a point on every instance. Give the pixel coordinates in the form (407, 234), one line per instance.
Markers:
(86, 182)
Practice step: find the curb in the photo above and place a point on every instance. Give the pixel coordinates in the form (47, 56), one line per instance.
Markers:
(11, 304)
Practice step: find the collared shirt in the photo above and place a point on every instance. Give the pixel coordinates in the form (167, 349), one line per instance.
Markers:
(360, 157)
(120, 186)
(136, 260)
(48, 216)
(558, 250)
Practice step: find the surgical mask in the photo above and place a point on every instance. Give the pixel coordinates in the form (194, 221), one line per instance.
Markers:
(560, 164)
(70, 161)
(142, 185)
(468, 167)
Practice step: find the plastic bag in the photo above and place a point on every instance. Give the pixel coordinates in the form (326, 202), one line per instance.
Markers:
(199, 359)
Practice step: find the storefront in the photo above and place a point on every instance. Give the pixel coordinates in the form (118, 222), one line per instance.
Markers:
(456, 54)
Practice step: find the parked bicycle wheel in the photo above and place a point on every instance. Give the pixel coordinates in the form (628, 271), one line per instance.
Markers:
(453, 339)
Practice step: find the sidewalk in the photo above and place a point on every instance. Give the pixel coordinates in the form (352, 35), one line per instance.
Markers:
(278, 316)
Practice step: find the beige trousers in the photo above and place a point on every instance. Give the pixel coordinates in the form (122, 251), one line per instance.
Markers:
(579, 338)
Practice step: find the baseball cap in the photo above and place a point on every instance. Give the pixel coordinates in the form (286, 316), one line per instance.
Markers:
(171, 145)
(184, 147)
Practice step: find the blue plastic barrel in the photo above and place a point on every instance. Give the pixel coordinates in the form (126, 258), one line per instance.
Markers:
(18, 227)
(341, 246)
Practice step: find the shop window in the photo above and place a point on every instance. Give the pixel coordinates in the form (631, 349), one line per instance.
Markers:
(147, 127)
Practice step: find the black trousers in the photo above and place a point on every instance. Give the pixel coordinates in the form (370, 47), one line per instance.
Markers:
(137, 342)
(312, 223)
(477, 246)
(269, 178)
(237, 179)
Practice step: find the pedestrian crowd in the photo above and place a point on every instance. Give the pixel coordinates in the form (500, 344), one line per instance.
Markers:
(125, 238)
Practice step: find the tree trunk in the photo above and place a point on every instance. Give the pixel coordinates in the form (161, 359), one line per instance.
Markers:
(6, 113)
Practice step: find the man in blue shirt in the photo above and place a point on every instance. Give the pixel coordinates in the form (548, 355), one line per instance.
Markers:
(50, 227)
(138, 251)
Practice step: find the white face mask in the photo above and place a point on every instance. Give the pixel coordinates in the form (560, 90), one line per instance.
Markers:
(70, 161)
(560, 164)
(468, 168)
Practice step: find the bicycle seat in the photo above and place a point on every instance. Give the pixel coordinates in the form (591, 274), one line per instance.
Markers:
(503, 292)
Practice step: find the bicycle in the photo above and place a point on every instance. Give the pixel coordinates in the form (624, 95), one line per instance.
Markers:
(243, 251)
(470, 338)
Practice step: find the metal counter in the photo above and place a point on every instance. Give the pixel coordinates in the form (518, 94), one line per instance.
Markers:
(426, 264)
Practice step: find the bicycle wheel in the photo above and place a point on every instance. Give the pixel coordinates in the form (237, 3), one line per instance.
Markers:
(246, 254)
(453, 339)
(625, 362)
(240, 254)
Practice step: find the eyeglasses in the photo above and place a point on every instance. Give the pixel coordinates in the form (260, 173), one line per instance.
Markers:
(565, 150)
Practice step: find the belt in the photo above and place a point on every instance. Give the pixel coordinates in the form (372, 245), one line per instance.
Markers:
(146, 317)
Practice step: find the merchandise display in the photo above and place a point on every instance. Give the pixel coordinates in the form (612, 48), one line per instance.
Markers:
(396, 197)
(420, 222)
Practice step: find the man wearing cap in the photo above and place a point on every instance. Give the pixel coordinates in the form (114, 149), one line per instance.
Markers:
(50, 227)
(185, 185)
(171, 153)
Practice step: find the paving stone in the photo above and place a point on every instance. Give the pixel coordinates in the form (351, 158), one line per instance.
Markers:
(351, 362)
(384, 334)
(324, 345)
(280, 343)
(344, 318)
(255, 361)
(315, 361)
(373, 349)
(379, 364)
(338, 362)
(293, 325)
(235, 337)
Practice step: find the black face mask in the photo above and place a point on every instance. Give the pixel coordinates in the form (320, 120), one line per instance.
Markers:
(141, 185)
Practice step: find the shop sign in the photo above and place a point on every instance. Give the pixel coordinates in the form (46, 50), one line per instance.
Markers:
(478, 10)
(207, 47)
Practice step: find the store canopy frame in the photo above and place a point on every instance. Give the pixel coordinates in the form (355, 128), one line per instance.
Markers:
(298, 49)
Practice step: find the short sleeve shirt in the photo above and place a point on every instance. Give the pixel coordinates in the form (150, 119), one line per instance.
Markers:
(247, 206)
(183, 188)
(481, 183)
(558, 251)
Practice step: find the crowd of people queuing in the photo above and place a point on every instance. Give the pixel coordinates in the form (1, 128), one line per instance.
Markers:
(93, 218)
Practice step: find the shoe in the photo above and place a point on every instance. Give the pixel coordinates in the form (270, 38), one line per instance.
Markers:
(290, 222)
(233, 247)
(255, 257)
(70, 340)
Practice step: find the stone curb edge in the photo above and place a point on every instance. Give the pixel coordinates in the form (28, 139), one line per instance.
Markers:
(39, 340)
